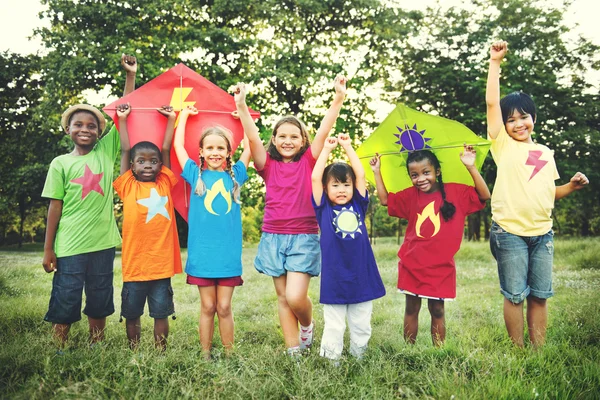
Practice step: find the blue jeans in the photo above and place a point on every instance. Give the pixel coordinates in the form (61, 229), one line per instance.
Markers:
(92, 271)
(524, 264)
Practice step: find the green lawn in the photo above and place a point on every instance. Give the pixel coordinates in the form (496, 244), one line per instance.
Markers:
(477, 361)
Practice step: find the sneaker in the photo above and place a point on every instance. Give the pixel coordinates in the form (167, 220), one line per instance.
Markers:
(306, 336)
(294, 353)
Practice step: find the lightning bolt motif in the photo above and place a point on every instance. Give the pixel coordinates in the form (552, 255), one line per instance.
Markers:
(177, 100)
(212, 193)
(534, 159)
(428, 213)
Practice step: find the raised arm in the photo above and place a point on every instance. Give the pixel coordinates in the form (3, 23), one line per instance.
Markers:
(256, 147)
(179, 142)
(382, 192)
(330, 116)
(577, 182)
(468, 156)
(317, 173)
(492, 90)
(246, 154)
(54, 214)
(168, 112)
(123, 111)
(129, 64)
(359, 171)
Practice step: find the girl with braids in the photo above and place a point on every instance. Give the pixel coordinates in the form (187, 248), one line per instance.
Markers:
(436, 217)
(214, 260)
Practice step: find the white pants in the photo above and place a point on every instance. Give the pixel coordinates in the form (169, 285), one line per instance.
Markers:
(359, 323)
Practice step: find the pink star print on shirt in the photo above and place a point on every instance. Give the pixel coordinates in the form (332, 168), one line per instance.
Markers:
(89, 182)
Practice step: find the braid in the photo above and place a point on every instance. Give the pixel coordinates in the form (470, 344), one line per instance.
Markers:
(200, 187)
(448, 209)
(236, 186)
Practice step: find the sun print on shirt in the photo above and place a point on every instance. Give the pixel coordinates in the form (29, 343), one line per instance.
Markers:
(346, 222)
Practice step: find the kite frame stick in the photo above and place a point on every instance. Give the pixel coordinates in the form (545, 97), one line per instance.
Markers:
(392, 153)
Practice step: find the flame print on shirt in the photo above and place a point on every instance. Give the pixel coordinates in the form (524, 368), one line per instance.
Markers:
(346, 222)
(428, 213)
(218, 188)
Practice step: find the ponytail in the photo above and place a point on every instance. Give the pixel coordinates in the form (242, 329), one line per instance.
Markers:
(200, 186)
(447, 209)
(236, 185)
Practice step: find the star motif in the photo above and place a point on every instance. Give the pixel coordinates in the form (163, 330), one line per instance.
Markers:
(347, 222)
(89, 182)
(156, 205)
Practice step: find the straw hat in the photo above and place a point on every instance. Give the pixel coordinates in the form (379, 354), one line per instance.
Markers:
(64, 121)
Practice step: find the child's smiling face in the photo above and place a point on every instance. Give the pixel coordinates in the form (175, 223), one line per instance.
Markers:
(83, 129)
(215, 150)
(288, 141)
(519, 126)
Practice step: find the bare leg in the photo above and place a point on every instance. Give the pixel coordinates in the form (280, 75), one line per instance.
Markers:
(513, 318)
(208, 309)
(411, 318)
(161, 333)
(296, 293)
(226, 324)
(537, 320)
(96, 329)
(134, 331)
(61, 333)
(287, 318)
(438, 321)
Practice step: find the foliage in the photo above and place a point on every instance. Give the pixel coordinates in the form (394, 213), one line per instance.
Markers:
(477, 361)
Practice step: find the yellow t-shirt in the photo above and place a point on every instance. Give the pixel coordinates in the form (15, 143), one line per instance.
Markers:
(523, 196)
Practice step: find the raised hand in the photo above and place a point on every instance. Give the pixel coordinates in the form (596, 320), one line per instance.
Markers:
(167, 111)
(344, 140)
(123, 110)
(498, 50)
(330, 143)
(190, 110)
(375, 162)
(239, 93)
(340, 84)
(129, 63)
(468, 155)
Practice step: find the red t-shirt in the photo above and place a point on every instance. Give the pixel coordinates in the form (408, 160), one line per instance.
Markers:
(426, 266)
(150, 240)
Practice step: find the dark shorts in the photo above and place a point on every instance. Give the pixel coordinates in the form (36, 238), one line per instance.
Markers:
(233, 281)
(92, 271)
(159, 294)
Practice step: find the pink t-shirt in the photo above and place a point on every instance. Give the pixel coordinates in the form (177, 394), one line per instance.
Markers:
(288, 208)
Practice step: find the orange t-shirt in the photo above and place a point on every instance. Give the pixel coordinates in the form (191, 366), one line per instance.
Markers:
(150, 240)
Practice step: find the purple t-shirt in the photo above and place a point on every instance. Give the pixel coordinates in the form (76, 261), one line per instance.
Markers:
(349, 274)
(288, 208)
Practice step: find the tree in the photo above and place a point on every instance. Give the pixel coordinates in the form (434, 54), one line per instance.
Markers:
(26, 150)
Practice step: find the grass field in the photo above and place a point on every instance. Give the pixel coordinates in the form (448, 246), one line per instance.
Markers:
(478, 361)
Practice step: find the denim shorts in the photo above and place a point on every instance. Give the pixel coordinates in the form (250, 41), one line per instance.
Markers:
(92, 271)
(524, 264)
(280, 253)
(158, 292)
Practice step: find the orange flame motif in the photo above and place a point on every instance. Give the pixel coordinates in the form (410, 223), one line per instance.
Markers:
(212, 193)
(177, 100)
(428, 213)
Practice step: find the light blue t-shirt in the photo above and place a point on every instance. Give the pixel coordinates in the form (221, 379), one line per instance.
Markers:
(215, 223)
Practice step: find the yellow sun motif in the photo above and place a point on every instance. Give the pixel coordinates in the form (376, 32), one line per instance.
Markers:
(347, 222)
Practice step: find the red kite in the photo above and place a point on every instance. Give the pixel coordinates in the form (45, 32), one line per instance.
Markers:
(179, 87)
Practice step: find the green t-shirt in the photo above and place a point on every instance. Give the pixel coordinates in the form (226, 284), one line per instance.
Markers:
(84, 184)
